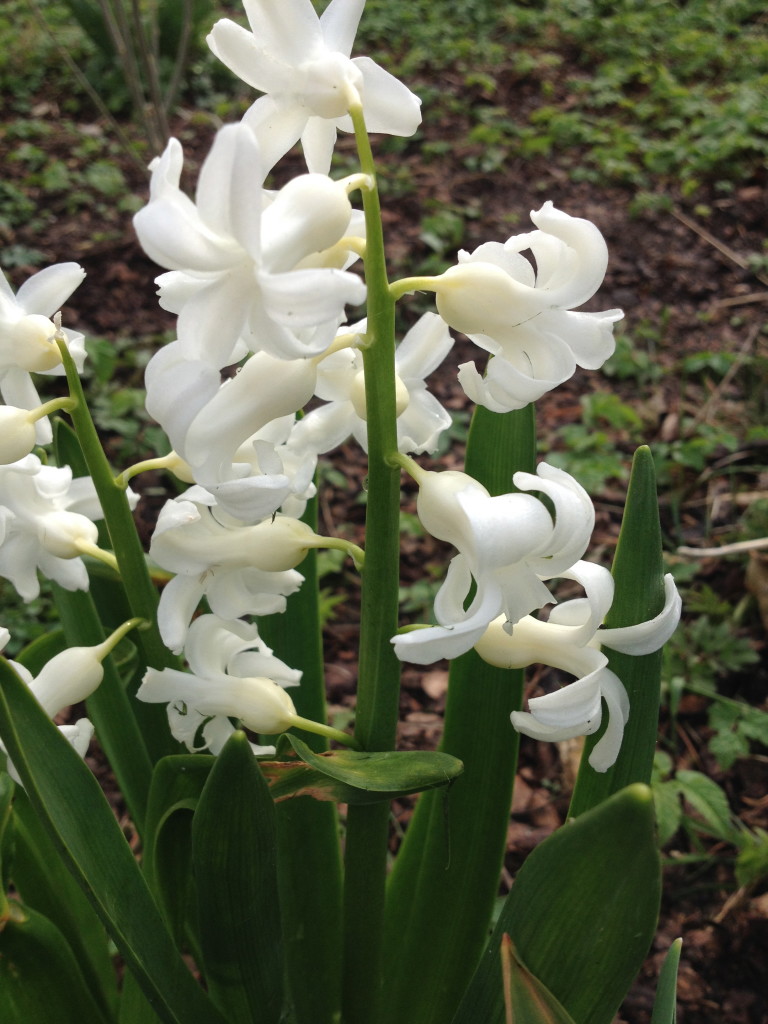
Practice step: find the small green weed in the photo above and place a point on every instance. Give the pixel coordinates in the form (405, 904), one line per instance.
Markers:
(691, 801)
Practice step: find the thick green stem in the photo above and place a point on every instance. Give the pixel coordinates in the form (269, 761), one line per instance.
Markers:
(378, 685)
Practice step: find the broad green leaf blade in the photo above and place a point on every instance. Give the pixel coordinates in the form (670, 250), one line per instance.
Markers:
(234, 856)
(526, 1000)
(309, 853)
(40, 980)
(582, 913)
(69, 803)
(46, 886)
(360, 777)
(638, 573)
(665, 1003)
(437, 920)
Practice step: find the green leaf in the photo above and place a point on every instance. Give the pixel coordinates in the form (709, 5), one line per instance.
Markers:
(40, 979)
(69, 803)
(669, 813)
(45, 885)
(526, 1000)
(709, 800)
(752, 861)
(36, 654)
(582, 913)
(639, 576)
(309, 853)
(444, 884)
(665, 1004)
(355, 776)
(177, 783)
(234, 848)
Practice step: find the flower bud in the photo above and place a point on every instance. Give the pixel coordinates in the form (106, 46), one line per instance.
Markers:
(60, 532)
(68, 678)
(17, 434)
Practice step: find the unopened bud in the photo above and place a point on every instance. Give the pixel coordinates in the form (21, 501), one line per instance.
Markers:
(17, 434)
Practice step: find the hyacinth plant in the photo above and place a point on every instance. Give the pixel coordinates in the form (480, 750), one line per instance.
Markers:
(200, 662)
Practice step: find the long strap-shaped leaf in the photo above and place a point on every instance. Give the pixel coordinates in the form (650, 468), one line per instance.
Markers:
(40, 978)
(75, 813)
(309, 861)
(582, 913)
(639, 576)
(446, 875)
(234, 847)
(44, 883)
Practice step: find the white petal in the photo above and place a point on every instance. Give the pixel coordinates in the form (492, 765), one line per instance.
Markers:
(578, 270)
(606, 750)
(309, 214)
(246, 591)
(388, 105)
(211, 322)
(249, 58)
(178, 601)
(307, 298)
(325, 428)
(649, 636)
(290, 29)
(420, 426)
(574, 518)
(47, 290)
(318, 139)
(264, 389)
(423, 348)
(588, 335)
(228, 195)
(278, 125)
(339, 22)
(571, 704)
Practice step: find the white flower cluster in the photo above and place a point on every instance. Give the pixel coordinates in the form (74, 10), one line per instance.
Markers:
(265, 375)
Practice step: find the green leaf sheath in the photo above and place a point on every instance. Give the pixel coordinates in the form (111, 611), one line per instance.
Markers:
(581, 914)
(445, 878)
(234, 858)
(70, 805)
(638, 572)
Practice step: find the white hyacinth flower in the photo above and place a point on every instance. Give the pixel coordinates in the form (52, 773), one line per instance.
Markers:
(233, 674)
(302, 63)
(45, 516)
(236, 254)
(341, 383)
(27, 333)
(208, 423)
(522, 311)
(507, 545)
(570, 640)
